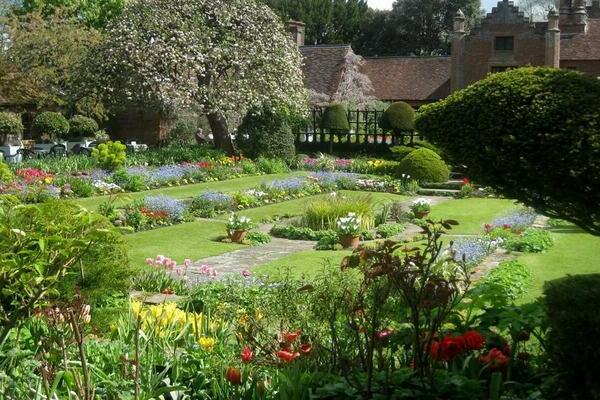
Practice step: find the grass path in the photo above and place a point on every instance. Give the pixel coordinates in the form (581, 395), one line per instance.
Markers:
(187, 191)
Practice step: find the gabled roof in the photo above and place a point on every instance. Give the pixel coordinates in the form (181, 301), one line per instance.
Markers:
(417, 79)
(322, 67)
(582, 46)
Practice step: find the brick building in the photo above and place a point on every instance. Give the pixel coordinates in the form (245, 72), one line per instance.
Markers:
(504, 39)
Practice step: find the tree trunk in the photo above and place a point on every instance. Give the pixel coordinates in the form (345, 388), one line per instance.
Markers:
(220, 131)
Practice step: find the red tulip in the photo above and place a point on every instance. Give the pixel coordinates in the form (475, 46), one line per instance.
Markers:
(287, 356)
(305, 348)
(473, 340)
(495, 359)
(289, 337)
(234, 376)
(246, 354)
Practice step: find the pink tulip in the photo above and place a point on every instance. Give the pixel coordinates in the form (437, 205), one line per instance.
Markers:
(160, 258)
(246, 273)
(178, 271)
(149, 261)
(187, 263)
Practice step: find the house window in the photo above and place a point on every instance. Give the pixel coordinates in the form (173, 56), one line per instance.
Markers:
(501, 68)
(505, 43)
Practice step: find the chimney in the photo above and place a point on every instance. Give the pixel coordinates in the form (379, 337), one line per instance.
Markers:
(580, 16)
(553, 40)
(457, 52)
(565, 11)
(297, 30)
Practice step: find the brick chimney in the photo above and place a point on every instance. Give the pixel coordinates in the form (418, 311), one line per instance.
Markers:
(297, 30)
(580, 16)
(553, 40)
(457, 52)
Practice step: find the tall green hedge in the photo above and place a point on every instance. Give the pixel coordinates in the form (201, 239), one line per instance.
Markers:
(398, 118)
(531, 133)
(265, 132)
(335, 118)
(574, 340)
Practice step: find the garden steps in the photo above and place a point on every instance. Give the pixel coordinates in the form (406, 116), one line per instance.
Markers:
(438, 192)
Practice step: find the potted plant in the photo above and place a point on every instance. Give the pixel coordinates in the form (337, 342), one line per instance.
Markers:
(237, 227)
(421, 208)
(349, 229)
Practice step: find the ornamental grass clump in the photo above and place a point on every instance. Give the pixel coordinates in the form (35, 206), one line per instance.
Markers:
(323, 214)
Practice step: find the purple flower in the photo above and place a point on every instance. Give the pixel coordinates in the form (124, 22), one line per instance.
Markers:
(517, 220)
(472, 250)
(174, 208)
(288, 185)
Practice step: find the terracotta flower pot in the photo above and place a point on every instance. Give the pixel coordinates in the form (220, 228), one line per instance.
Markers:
(349, 241)
(238, 236)
(421, 214)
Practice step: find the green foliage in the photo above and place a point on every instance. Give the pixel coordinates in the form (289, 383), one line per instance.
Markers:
(10, 124)
(424, 165)
(329, 240)
(572, 306)
(82, 127)
(94, 13)
(82, 187)
(272, 165)
(110, 155)
(504, 284)
(257, 238)
(42, 247)
(335, 118)
(6, 174)
(182, 133)
(545, 151)
(389, 230)
(531, 241)
(323, 214)
(174, 154)
(398, 118)
(131, 183)
(399, 152)
(267, 133)
(50, 126)
(159, 280)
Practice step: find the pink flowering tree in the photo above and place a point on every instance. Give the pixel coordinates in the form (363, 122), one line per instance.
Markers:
(217, 56)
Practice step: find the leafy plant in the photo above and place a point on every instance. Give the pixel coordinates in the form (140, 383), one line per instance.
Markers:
(257, 238)
(110, 155)
(10, 125)
(349, 225)
(323, 214)
(389, 230)
(82, 127)
(421, 205)
(328, 240)
(504, 285)
(238, 223)
(6, 174)
(531, 241)
(272, 165)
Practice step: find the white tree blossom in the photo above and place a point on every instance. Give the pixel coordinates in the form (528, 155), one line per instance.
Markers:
(218, 55)
(354, 87)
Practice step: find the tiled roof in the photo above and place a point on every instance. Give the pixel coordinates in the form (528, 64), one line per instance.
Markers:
(323, 66)
(582, 46)
(409, 78)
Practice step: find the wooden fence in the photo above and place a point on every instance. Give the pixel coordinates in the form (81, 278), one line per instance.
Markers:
(365, 135)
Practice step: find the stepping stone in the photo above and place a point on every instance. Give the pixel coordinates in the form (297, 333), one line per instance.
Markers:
(155, 298)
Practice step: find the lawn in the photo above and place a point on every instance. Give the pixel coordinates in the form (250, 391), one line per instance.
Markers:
(187, 191)
(303, 263)
(575, 252)
(296, 206)
(472, 214)
(193, 240)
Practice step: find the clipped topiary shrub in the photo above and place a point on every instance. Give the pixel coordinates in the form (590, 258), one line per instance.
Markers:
(335, 118)
(544, 151)
(10, 125)
(424, 165)
(82, 127)
(399, 152)
(574, 340)
(50, 126)
(267, 133)
(398, 118)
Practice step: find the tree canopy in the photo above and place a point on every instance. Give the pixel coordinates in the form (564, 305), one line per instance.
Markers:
(544, 150)
(220, 56)
(94, 13)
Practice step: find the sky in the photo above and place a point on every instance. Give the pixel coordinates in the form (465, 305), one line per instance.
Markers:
(387, 4)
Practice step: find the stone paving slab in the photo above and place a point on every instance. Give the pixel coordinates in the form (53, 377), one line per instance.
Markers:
(154, 298)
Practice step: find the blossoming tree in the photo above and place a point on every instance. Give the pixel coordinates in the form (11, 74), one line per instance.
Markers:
(220, 56)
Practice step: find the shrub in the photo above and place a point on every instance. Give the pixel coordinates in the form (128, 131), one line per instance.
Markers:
(256, 238)
(574, 340)
(110, 155)
(504, 285)
(424, 165)
(398, 118)
(6, 174)
(544, 151)
(82, 127)
(399, 152)
(182, 133)
(50, 126)
(531, 241)
(267, 133)
(82, 188)
(329, 240)
(335, 118)
(10, 125)
(272, 165)
(389, 230)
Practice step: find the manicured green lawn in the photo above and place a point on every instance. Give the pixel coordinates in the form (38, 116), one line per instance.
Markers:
(187, 191)
(472, 214)
(193, 240)
(303, 263)
(296, 206)
(575, 252)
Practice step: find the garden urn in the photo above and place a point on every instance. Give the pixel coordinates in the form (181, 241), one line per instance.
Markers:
(349, 241)
(238, 236)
